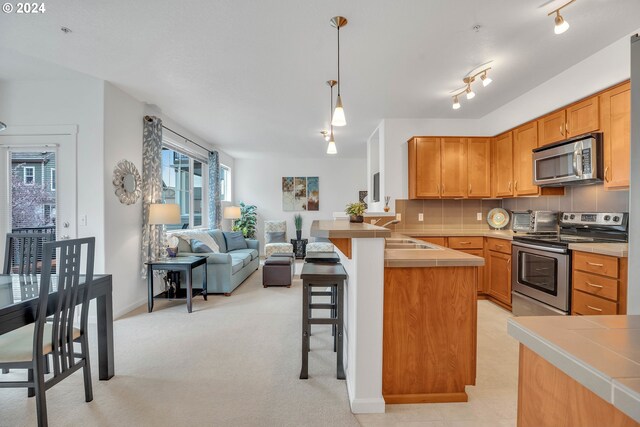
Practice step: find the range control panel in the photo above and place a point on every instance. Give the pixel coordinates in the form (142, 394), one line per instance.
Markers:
(599, 219)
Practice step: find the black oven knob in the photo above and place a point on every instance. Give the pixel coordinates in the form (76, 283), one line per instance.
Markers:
(573, 216)
(566, 217)
(616, 218)
(608, 217)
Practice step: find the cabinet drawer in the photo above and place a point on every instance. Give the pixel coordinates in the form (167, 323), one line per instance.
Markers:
(441, 241)
(465, 242)
(499, 245)
(596, 285)
(594, 263)
(590, 305)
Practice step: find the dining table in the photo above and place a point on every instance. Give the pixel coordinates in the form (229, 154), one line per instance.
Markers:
(19, 296)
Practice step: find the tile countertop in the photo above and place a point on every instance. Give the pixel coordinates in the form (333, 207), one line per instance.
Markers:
(600, 352)
(439, 256)
(344, 229)
(612, 249)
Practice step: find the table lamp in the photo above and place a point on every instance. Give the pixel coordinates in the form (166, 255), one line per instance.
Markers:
(163, 214)
(233, 213)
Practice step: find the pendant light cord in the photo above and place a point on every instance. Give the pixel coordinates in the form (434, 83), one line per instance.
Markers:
(331, 111)
(338, 63)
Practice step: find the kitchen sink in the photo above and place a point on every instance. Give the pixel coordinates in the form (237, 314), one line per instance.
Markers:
(400, 241)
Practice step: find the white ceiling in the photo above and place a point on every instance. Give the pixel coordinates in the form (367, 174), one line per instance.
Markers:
(249, 75)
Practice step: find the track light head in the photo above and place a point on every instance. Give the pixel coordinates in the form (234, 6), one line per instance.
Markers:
(486, 80)
(456, 103)
(470, 93)
(561, 24)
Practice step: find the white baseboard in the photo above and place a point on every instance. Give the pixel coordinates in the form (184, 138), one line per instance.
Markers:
(129, 308)
(365, 406)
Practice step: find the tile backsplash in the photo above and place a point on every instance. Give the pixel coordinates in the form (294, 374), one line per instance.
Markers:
(462, 214)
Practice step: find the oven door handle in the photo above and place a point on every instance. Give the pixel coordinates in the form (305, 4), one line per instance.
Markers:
(540, 248)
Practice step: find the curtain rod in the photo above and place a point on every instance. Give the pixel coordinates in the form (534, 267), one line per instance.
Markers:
(149, 118)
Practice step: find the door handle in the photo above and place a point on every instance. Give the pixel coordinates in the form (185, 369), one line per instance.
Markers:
(566, 128)
(509, 185)
(469, 188)
(594, 308)
(595, 264)
(515, 186)
(561, 132)
(605, 173)
(438, 188)
(593, 285)
(465, 243)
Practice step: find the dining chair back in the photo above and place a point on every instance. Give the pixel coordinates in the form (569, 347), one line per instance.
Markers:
(23, 252)
(55, 334)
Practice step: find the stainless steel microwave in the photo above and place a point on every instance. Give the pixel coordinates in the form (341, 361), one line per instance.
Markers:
(576, 161)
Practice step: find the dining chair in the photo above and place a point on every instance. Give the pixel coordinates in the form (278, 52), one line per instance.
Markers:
(23, 252)
(27, 347)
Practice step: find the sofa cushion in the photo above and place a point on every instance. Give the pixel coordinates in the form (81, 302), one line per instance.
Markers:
(253, 252)
(235, 240)
(275, 237)
(236, 265)
(219, 238)
(183, 245)
(199, 247)
(243, 256)
(203, 235)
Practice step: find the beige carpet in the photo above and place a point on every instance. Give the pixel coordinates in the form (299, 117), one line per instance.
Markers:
(235, 361)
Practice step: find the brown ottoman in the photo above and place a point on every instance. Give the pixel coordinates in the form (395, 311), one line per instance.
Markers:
(278, 270)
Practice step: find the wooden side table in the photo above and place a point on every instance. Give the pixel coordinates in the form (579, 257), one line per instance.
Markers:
(300, 247)
(186, 264)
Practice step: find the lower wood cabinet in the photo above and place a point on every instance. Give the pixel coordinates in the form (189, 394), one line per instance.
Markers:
(497, 282)
(480, 278)
(599, 284)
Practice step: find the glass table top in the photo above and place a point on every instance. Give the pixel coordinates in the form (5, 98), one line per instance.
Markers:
(15, 288)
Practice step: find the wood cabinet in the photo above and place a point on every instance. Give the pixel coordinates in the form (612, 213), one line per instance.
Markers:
(424, 168)
(440, 241)
(497, 281)
(502, 165)
(479, 167)
(615, 121)
(599, 284)
(551, 128)
(480, 279)
(583, 117)
(454, 168)
(525, 139)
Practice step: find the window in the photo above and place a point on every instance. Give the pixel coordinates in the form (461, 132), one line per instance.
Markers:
(225, 183)
(183, 183)
(53, 180)
(29, 175)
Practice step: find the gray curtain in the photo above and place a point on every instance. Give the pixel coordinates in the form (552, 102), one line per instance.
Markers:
(215, 207)
(152, 247)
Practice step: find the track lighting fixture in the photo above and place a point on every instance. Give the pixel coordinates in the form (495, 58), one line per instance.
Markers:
(338, 118)
(467, 90)
(561, 25)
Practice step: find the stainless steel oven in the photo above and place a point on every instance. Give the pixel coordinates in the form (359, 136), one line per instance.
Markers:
(540, 280)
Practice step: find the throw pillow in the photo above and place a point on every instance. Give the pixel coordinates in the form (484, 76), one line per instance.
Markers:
(235, 240)
(199, 248)
(203, 236)
(275, 237)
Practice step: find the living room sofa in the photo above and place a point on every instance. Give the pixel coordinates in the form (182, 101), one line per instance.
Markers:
(226, 269)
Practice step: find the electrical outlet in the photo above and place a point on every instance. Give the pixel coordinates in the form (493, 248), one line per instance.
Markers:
(399, 217)
(83, 220)
(479, 216)
(421, 217)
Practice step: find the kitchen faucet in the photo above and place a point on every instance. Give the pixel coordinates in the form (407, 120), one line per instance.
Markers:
(395, 221)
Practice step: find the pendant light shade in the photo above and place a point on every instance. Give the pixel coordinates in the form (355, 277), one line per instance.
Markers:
(456, 103)
(331, 148)
(561, 24)
(338, 117)
(486, 80)
(470, 93)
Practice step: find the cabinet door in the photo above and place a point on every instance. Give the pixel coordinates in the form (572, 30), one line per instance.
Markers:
(615, 118)
(424, 168)
(583, 117)
(499, 276)
(551, 128)
(502, 165)
(525, 139)
(480, 278)
(479, 167)
(454, 168)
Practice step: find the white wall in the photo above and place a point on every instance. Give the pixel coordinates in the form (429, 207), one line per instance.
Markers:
(258, 182)
(64, 102)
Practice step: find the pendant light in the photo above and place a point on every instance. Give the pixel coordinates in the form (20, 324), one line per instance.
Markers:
(338, 118)
(331, 147)
(561, 25)
(2, 126)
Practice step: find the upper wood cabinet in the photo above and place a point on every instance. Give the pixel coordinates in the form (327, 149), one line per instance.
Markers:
(525, 139)
(583, 117)
(479, 167)
(551, 128)
(615, 120)
(502, 165)
(454, 168)
(424, 168)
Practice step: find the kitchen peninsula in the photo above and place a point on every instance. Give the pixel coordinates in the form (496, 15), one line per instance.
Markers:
(410, 332)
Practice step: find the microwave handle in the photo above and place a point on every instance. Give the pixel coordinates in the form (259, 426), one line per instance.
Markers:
(577, 159)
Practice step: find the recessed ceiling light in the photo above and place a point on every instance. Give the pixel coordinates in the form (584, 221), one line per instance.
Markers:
(65, 30)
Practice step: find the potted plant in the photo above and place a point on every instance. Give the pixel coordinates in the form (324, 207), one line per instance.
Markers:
(297, 220)
(247, 221)
(355, 211)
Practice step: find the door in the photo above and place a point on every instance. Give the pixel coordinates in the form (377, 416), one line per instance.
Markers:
(615, 114)
(499, 276)
(503, 165)
(454, 168)
(424, 168)
(551, 128)
(479, 167)
(45, 165)
(480, 278)
(583, 117)
(525, 139)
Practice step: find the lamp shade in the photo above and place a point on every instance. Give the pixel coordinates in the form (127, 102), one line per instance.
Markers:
(164, 213)
(232, 212)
